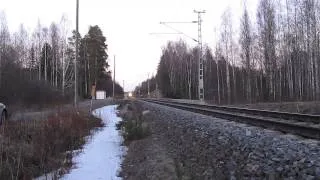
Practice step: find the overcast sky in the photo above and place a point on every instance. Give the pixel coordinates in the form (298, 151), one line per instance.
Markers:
(127, 25)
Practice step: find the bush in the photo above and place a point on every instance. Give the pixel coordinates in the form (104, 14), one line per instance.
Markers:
(134, 130)
(32, 148)
(133, 125)
(17, 87)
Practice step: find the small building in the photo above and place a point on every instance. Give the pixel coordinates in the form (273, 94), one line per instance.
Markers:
(101, 94)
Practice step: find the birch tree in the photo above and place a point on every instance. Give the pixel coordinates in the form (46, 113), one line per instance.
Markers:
(54, 38)
(44, 65)
(4, 40)
(266, 28)
(63, 46)
(38, 45)
(246, 46)
(226, 34)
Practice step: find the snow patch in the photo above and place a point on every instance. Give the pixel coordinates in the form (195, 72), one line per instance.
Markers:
(102, 156)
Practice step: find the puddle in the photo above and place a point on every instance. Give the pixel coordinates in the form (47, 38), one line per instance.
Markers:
(101, 157)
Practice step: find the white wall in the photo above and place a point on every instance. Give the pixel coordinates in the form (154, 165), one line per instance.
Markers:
(100, 95)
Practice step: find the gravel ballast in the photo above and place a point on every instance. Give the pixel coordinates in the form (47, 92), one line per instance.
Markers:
(204, 147)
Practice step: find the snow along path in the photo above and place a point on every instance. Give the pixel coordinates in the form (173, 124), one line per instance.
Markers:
(102, 156)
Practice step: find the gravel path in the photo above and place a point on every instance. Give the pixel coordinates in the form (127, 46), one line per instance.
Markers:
(209, 148)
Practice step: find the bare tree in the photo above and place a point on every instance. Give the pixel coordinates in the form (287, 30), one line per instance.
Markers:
(246, 47)
(54, 37)
(39, 44)
(189, 74)
(45, 38)
(64, 26)
(267, 28)
(217, 57)
(226, 35)
(21, 44)
(4, 40)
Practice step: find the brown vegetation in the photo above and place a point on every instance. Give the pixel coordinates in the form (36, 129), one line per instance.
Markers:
(133, 125)
(147, 153)
(32, 148)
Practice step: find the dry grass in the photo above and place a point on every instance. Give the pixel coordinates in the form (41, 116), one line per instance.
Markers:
(31, 148)
(133, 125)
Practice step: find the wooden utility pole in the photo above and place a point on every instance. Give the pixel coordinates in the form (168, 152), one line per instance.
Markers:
(123, 86)
(148, 86)
(76, 58)
(114, 74)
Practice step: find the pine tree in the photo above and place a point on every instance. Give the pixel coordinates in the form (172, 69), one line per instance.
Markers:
(93, 61)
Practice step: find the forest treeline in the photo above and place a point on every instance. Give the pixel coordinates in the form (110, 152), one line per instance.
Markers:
(276, 57)
(38, 66)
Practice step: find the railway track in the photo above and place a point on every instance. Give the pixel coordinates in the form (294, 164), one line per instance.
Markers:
(300, 124)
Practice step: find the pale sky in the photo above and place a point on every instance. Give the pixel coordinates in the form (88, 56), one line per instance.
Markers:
(127, 25)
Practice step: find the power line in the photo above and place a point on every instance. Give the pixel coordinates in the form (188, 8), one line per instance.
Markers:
(164, 33)
(199, 41)
(178, 22)
(200, 59)
(178, 31)
(114, 75)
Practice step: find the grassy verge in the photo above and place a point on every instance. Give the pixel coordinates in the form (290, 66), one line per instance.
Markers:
(31, 148)
(133, 125)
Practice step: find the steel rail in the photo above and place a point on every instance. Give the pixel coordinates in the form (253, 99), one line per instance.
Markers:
(307, 129)
(273, 114)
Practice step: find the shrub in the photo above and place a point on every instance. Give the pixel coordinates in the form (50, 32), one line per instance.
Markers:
(32, 148)
(18, 88)
(133, 125)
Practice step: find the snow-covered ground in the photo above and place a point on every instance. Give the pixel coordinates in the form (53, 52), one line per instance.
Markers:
(102, 155)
